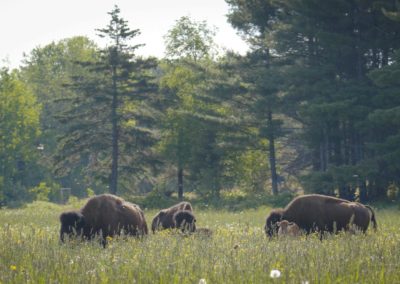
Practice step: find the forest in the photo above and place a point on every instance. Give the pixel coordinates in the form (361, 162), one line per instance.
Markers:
(313, 107)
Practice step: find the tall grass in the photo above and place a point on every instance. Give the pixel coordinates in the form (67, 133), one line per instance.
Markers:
(237, 252)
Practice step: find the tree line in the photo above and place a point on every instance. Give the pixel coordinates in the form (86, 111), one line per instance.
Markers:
(313, 105)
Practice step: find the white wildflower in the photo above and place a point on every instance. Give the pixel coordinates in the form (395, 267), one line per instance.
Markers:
(202, 281)
(275, 273)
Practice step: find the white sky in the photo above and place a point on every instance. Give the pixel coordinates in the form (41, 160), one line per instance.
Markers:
(26, 24)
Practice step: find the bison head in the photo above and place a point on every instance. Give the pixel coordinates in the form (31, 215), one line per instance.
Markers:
(72, 223)
(273, 218)
(185, 220)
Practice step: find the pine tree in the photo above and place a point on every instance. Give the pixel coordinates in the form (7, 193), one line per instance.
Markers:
(332, 46)
(110, 117)
(256, 19)
(328, 47)
(384, 122)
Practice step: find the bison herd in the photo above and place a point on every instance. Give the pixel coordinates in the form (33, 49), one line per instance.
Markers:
(107, 215)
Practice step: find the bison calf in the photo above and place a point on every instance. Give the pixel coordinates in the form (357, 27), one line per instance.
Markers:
(288, 229)
(103, 215)
(204, 232)
(185, 220)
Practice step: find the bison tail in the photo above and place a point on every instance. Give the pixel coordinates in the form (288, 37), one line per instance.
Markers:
(373, 220)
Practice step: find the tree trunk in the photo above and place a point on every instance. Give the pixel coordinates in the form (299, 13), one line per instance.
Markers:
(114, 122)
(180, 183)
(324, 151)
(362, 187)
(272, 159)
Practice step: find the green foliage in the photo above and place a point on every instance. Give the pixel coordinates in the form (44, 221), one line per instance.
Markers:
(47, 70)
(322, 55)
(320, 84)
(190, 40)
(109, 117)
(237, 252)
(157, 198)
(250, 170)
(19, 129)
(384, 123)
(40, 192)
(1, 189)
(90, 192)
(197, 124)
(46, 191)
(237, 200)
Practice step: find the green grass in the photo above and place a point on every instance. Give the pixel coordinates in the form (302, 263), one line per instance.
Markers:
(238, 252)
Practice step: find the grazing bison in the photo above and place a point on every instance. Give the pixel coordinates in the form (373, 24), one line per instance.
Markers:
(322, 213)
(104, 215)
(287, 228)
(185, 220)
(164, 218)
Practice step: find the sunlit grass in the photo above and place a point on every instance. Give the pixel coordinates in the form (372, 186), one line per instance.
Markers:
(237, 252)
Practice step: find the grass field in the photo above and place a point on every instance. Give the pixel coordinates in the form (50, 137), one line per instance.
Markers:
(238, 252)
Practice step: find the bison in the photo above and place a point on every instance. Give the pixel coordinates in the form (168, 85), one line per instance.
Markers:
(320, 213)
(288, 229)
(164, 219)
(185, 220)
(103, 215)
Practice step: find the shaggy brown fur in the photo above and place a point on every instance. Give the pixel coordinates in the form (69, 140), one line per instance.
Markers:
(185, 220)
(288, 229)
(322, 213)
(104, 215)
(129, 213)
(164, 218)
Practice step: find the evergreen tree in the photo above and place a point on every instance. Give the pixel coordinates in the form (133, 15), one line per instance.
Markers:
(111, 114)
(333, 45)
(328, 47)
(384, 122)
(256, 19)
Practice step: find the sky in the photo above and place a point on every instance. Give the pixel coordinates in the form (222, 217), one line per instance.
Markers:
(27, 24)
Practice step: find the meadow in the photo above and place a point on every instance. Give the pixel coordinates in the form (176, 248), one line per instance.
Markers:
(237, 252)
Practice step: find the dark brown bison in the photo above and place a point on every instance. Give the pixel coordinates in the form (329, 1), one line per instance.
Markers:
(164, 219)
(104, 215)
(322, 213)
(185, 220)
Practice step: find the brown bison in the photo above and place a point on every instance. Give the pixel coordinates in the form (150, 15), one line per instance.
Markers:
(322, 213)
(104, 215)
(185, 220)
(287, 228)
(164, 219)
